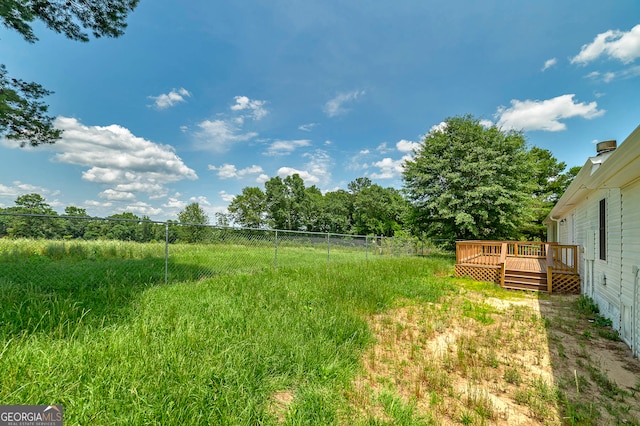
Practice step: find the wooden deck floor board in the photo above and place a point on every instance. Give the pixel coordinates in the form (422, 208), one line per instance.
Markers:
(528, 264)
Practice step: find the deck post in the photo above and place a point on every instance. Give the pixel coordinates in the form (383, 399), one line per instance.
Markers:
(503, 267)
(549, 278)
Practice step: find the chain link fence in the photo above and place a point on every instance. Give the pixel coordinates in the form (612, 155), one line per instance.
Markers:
(62, 250)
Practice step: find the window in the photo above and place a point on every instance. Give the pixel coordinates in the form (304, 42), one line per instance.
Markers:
(603, 229)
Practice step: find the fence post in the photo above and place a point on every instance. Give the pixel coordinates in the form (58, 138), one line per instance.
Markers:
(328, 248)
(275, 259)
(366, 247)
(166, 252)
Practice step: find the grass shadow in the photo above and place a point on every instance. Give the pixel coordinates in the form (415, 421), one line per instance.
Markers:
(57, 297)
(596, 378)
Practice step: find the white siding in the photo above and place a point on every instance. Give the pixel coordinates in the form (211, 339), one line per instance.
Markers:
(602, 278)
(629, 297)
(585, 267)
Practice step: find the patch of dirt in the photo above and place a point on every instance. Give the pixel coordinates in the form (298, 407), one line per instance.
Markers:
(474, 359)
(279, 403)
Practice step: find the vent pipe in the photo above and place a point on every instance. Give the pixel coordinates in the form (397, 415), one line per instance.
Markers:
(606, 146)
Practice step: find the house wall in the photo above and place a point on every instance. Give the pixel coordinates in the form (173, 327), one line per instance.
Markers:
(601, 278)
(629, 294)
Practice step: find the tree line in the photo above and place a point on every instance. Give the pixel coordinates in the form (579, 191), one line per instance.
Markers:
(33, 217)
(364, 208)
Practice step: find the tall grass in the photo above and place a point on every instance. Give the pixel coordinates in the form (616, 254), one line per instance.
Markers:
(226, 350)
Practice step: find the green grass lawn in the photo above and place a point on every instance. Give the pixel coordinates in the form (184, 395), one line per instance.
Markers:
(114, 345)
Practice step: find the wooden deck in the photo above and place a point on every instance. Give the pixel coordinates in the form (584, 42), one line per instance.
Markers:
(528, 264)
(521, 265)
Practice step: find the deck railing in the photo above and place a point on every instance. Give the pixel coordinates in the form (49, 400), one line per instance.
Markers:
(481, 252)
(565, 258)
(527, 249)
(562, 258)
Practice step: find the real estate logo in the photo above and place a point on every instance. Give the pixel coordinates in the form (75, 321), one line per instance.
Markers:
(30, 415)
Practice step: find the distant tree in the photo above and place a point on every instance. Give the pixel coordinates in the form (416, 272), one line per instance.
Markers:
(193, 219)
(75, 228)
(248, 208)
(223, 219)
(549, 184)
(145, 230)
(567, 177)
(378, 211)
(358, 184)
(338, 212)
(467, 181)
(123, 226)
(30, 226)
(284, 200)
(314, 215)
(23, 115)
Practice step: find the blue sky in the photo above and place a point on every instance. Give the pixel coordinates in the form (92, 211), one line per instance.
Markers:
(200, 99)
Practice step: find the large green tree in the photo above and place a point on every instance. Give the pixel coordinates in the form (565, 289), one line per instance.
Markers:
(194, 220)
(248, 208)
(550, 180)
(285, 202)
(378, 210)
(34, 223)
(468, 181)
(23, 115)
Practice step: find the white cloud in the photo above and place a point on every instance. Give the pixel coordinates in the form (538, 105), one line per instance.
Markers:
(227, 198)
(307, 127)
(97, 204)
(383, 148)
(336, 106)
(607, 77)
(364, 152)
(175, 203)
(389, 168)
(118, 158)
(286, 147)
(255, 107)
(316, 170)
(228, 171)
(407, 146)
(170, 99)
(219, 135)
(615, 44)
(486, 123)
(262, 178)
(201, 200)
(20, 188)
(319, 164)
(549, 63)
(113, 195)
(8, 191)
(143, 209)
(545, 115)
(307, 177)
(438, 128)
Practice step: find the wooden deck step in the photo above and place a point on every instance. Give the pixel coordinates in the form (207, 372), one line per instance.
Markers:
(526, 280)
(528, 287)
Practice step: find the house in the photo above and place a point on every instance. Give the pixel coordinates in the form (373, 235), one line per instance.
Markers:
(600, 213)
